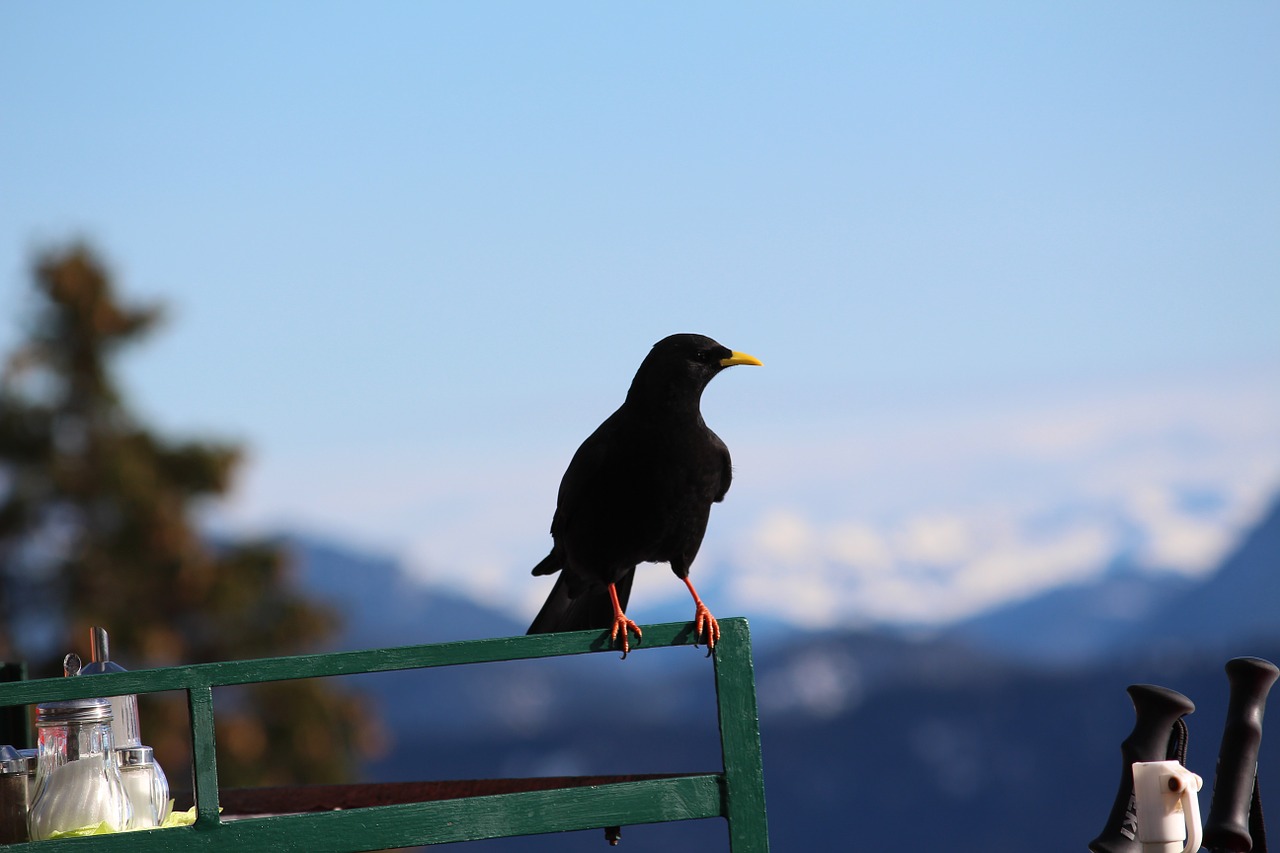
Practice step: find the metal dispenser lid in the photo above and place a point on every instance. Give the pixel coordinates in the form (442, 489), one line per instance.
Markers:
(73, 711)
(11, 763)
(100, 654)
(135, 756)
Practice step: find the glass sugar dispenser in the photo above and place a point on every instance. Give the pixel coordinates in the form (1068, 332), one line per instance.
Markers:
(144, 780)
(78, 781)
(124, 709)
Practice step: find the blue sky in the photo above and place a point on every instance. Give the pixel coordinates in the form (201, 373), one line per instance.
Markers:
(991, 255)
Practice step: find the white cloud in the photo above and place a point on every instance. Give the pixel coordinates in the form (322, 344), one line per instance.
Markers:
(787, 535)
(1175, 538)
(935, 539)
(941, 519)
(931, 568)
(1030, 564)
(859, 544)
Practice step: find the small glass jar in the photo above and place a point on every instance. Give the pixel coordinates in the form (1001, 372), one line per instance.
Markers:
(78, 781)
(145, 784)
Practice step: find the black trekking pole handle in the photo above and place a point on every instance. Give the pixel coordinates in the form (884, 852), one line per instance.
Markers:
(1228, 825)
(1157, 710)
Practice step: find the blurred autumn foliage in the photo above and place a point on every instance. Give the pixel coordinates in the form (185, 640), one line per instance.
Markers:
(96, 528)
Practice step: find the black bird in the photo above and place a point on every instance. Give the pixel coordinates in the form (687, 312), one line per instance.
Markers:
(639, 490)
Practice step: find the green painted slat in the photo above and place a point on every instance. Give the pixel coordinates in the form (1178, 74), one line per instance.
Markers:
(526, 813)
(740, 739)
(204, 760)
(338, 663)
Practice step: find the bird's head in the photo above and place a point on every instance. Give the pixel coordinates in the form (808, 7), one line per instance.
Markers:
(679, 367)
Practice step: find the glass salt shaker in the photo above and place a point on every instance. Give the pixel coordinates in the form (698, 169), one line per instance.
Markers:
(78, 780)
(13, 796)
(146, 786)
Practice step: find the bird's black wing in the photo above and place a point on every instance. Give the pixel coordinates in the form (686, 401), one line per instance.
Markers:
(582, 531)
(726, 467)
(578, 487)
(610, 511)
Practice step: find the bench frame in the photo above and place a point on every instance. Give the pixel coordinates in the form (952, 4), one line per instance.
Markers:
(345, 819)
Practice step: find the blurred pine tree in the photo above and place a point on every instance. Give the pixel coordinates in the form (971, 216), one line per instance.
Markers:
(96, 529)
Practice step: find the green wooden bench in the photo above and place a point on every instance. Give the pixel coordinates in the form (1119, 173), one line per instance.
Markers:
(347, 818)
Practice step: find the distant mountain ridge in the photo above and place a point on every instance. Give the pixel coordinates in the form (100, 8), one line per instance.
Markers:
(1127, 612)
(1123, 611)
(381, 606)
(1237, 606)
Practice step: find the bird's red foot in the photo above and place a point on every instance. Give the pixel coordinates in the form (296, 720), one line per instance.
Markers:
(622, 626)
(705, 627)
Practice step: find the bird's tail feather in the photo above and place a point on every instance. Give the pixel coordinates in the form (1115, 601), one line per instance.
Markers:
(549, 564)
(590, 609)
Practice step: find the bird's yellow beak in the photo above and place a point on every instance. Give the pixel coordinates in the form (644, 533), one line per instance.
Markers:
(740, 358)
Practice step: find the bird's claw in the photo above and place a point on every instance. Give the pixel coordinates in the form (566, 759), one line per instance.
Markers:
(705, 626)
(622, 625)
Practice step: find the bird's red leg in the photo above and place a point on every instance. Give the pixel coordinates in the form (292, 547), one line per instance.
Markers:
(621, 624)
(704, 624)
